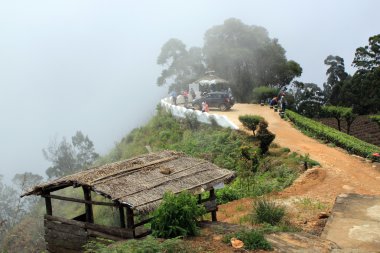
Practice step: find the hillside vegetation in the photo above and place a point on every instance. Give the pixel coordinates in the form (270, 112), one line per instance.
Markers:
(235, 150)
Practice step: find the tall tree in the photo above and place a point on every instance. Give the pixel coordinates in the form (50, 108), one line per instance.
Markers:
(336, 74)
(247, 57)
(368, 57)
(362, 92)
(181, 66)
(308, 99)
(67, 158)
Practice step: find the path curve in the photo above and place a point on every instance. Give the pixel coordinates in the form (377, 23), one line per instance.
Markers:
(340, 172)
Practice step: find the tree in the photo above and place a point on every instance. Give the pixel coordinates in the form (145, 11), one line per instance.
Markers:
(368, 57)
(340, 113)
(308, 99)
(336, 75)
(247, 57)
(67, 158)
(250, 121)
(181, 66)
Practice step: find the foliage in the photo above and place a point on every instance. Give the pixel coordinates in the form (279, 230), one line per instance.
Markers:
(182, 66)
(345, 141)
(368, 57)
(253, 239)
(67, 158)
(375, 118)
(250, 121)
(176, 216)
(340, 113)
(192, 120)
(262, 93)
(247, 57)
(308, 99)
(266, 211)
(336, 75)
(147, 245)
(265, 136)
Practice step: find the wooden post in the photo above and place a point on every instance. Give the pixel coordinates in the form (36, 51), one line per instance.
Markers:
(122, 217)
(49, 208)
(89, 212)
(213, 197)
(130, 219)
(199, 198)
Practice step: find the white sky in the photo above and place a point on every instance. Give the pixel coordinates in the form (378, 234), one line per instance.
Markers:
(68, 65)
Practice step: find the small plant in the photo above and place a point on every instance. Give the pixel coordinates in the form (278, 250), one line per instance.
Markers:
(253, 239)
(266, 211)
(176, 216)
(285, 150)
(250, 121)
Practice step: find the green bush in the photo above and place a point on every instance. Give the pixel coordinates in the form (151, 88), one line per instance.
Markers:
(263, 93)
(250, 121)
(266, 211)
(176, 216)
(375, 118)
(321, 131)
(253, 239)
(264, 136)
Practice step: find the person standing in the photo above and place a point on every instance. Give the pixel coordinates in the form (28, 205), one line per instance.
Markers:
(192, 92)
(174, 97)
(283, 103)
(185, 95)
(206, 107)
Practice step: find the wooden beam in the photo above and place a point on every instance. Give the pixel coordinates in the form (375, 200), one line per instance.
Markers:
(130, 218)
(87, 197)
(119, 232)
(122, 217)
(49, 208)
(79, 200)
(212, 198)
(142, 222)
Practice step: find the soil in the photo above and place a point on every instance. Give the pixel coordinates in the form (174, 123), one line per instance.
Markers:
(316, 189)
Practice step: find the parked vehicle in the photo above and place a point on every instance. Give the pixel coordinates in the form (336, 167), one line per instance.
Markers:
(222, 100)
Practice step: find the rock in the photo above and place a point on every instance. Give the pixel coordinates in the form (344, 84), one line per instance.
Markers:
(299, 242)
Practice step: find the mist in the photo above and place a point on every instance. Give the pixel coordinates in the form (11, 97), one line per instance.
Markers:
(91, 65)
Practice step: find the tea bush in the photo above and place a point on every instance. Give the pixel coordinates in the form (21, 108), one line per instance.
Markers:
(321, 131)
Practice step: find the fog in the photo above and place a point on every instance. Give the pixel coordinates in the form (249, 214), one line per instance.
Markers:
(68, 65)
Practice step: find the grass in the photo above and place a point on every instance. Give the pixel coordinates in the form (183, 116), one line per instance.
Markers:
(267, 211)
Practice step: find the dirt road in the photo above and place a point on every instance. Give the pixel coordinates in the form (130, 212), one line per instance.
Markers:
(340, 172)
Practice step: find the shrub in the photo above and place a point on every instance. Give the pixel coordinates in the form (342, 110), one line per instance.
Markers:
(264, 136)
(227, 194)
(263, 93)
(176, 216)
(345, 141)
(266, 211)
(253, 239)
(192, 120)
(375, 118)
(250, 121)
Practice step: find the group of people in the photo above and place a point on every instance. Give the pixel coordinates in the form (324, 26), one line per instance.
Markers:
(279, 100)
(185, 95)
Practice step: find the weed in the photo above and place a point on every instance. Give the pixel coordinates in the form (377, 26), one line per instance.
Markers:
(266, 211)
(253, 239)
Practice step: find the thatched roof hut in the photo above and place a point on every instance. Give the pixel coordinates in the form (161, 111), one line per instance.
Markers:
(210, 79)
(140, 182)
(135, 185)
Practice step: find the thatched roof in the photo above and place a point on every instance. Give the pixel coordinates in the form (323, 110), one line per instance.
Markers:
(210, 78)
(140, 182)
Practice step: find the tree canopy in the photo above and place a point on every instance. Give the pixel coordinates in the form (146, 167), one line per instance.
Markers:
(242, 54)
(67, 158)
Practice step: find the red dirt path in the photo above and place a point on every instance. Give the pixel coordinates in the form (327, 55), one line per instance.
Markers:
(340, 172)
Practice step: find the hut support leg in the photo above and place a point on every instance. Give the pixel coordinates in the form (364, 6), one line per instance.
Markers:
(213, 197)
(89, 212)
(122, 217)
(49, 209)
(130, 220)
